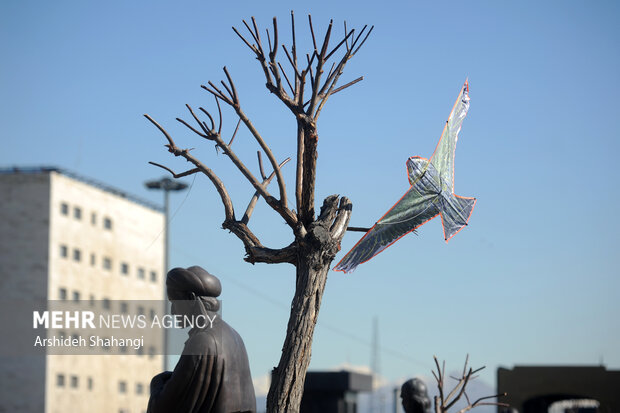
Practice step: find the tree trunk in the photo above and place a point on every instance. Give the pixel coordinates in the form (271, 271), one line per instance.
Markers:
(315, 255)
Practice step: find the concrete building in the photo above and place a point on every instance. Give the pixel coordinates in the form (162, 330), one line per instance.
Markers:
(63, 237)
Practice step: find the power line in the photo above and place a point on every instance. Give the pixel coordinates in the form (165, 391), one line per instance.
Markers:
(326, 326)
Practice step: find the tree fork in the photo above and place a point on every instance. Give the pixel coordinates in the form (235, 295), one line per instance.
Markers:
(315, 254)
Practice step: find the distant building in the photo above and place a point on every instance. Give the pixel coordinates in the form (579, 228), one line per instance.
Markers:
(333, 391)
(533, 389)
(64, 237)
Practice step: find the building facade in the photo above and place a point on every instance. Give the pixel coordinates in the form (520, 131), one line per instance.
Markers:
(63, 237)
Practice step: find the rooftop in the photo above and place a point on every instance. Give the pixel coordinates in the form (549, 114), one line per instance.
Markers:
(93, 182)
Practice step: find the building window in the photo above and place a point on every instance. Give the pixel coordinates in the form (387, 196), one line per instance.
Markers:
(107, 223)
(64, 208)
(140, 310)
(93, 218)
(122, 387)
(90, 383)
(77, 255)
(77, 213)
(124, 268)
(152, 314)
(64, 251)
(93, 259)
(139, 388)
(75, 338)
(107, 263)
(124, 307)
(141, 273)
(60, 380)
(76, 296)
(153, 276)
(74, 382)
(106, 303)
(62, 294)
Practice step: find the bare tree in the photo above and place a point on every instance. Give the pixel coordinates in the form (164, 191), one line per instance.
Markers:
(444, 402)
(316, 240)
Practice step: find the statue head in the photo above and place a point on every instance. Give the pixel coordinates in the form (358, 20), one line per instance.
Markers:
(414, 396)
(192, 291)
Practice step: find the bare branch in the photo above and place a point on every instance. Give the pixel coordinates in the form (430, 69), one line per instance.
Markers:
(477, 402)
(175, 175)
(209, 116)
(232, 86)
(229, 211)
(260, 165)
(286, 77)
(363, 41)
(269, 42)
(257, 37)
(459, 386)
(235, 132)
(192, 128)
(310, 69)
(358, 229)
(294, 46)
(326, 41)
(351, 83)
(202, 124)
(271, 256)
(252, 204)
(439, 380)
(345, 40)
(162, 130)
(219, 111)
(255, 251)
(230, 93)
(216, 92)
(465, 364)
(272, 53)
(293, 62)
(331, 69)
(319, 70)
(312, 32)
(252, 34)
(251, 46)
(443, 404)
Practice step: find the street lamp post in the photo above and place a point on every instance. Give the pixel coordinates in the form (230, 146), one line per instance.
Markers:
(166, 185)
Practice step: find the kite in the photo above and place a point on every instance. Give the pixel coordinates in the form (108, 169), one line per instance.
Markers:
(431, 194)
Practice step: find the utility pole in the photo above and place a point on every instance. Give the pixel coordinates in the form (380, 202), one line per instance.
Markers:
(166, 185)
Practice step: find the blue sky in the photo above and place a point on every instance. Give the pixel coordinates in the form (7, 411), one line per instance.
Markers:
(532, 280)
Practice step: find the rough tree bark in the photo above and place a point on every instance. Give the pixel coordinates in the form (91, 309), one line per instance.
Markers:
(316, 239)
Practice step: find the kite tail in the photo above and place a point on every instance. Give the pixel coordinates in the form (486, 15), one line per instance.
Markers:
(455, 213)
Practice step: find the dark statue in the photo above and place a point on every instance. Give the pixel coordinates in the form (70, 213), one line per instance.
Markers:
(213, 372)
(415, 396)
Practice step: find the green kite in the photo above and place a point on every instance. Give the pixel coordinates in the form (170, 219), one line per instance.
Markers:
(431, 194)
